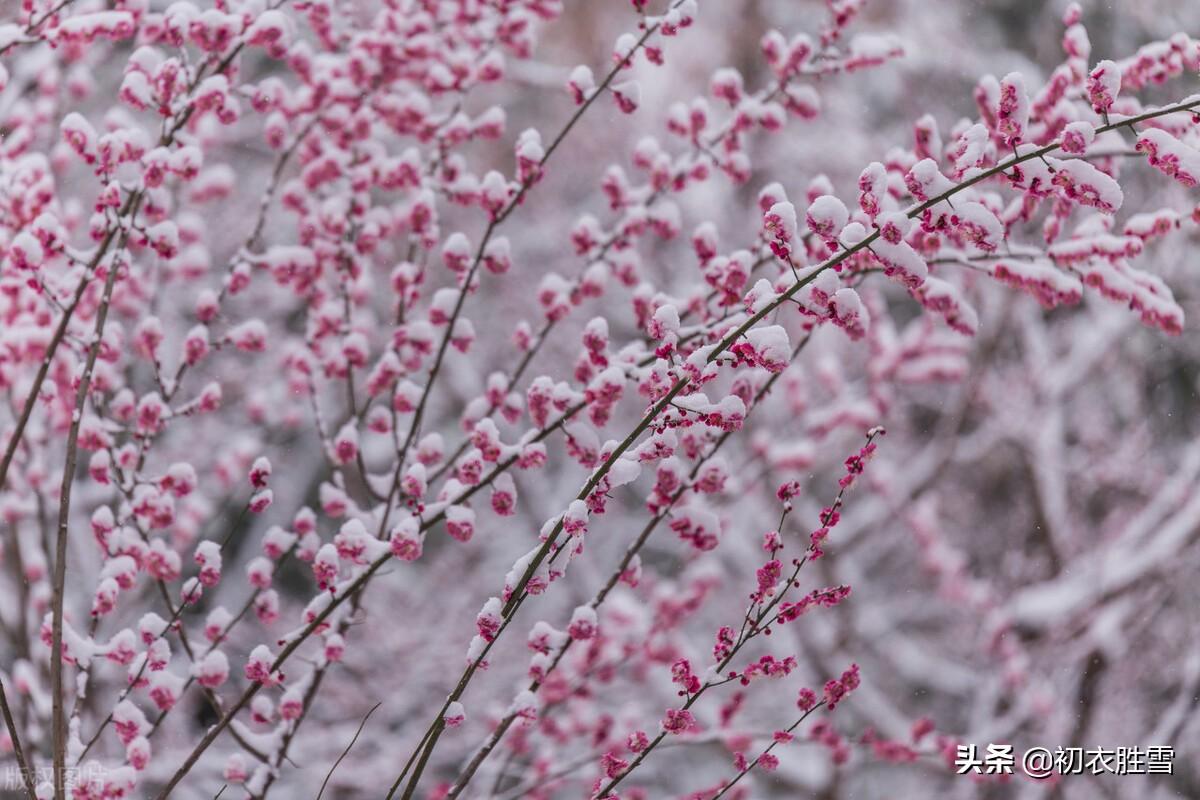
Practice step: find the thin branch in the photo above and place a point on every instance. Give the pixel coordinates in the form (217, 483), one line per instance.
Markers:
(346, 752)
(18, 751)
(64, 512)
(741, 774)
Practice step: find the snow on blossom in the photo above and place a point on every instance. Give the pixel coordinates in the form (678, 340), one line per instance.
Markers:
(1103, 84)
(826, 217)
(1170, 156)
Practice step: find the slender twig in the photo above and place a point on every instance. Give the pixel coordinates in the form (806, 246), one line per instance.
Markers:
(281, 754)
(64, 512)
(34, 24)
(18, 751)
(742, 773)
(56, 338)
(346, 752)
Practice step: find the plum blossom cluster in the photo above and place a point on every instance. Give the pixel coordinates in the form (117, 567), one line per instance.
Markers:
(269, 425)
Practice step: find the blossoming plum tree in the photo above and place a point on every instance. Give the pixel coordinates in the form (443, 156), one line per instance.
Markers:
(362, 429)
